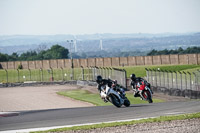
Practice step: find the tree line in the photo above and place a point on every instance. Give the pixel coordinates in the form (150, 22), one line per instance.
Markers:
(189, 50)
(59, 52)
(55, 52)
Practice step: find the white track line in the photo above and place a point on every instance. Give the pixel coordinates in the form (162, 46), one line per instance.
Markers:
(55, 127)
(174, 113)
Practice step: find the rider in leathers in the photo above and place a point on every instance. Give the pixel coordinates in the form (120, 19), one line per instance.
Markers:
(102, 83)
(134, 81)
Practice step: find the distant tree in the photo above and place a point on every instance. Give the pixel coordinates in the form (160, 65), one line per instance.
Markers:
(189, 50)
(56, 52)
(153, 52)
(180, 49)
(3, 57)
(13, 57)
(40, 55)
(29, 55)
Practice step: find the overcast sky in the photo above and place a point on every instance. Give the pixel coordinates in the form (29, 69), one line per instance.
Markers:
(47, 17)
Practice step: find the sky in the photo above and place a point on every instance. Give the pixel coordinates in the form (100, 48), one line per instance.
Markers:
(50, 17)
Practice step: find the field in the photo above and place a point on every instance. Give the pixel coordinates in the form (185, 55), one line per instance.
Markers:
(12, 76)
(140, 70)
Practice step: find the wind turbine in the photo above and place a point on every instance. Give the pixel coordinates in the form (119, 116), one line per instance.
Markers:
(75, 45)
(100, 43)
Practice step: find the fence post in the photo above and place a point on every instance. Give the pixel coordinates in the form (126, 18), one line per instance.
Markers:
(181, 79)
(94, 73)
(151, 77)
(159, 77)
(107, 72)
(155, 76)
(104, 69)
(29, 73)
(185, 80)
(198, 79)
(176, 80)
(72, 73)
(190, 80)
(163, 78)
(18, 75)
(167, 79)
(125, 78)
(6, 75)
(172, 78)
(82, 69)
(52, 79)
(41, 79)
(195, 80)
(40, 74)
(62, 73)
(89, 72)
(110, 72)
(147, 73)
(92, 77)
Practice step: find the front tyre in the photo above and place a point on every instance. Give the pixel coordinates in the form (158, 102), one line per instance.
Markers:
(115, 101)
(149, 98)
(126, 102)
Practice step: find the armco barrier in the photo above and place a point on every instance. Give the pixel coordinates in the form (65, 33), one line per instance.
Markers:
(192, 94)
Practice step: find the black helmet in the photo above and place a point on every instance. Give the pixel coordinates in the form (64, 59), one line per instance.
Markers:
(115, 81)
(133, 77)
(98, 79)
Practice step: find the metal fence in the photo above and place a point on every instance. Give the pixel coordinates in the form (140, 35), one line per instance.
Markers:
(62, 74)
(111, 73)
(173, 79)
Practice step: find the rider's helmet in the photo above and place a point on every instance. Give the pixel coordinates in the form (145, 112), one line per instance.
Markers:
(98, 79)
(133, 77)
(115, 81)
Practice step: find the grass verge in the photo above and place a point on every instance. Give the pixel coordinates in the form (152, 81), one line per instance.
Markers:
(103, 125)
(86, 96)
(140, 70)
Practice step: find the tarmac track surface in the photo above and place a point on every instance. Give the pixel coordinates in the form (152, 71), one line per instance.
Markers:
(70, 116)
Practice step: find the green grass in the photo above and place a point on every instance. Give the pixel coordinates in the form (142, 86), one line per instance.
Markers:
(86, 96)
(141, 72)
(114, 124)
(59, 74)
(37, 75)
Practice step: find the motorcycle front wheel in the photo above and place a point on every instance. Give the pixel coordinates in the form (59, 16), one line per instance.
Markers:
(126, 102)
(147, 95)
(115, 101)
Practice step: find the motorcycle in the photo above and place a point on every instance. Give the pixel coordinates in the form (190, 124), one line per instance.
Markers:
(116, 96)
(144, 91)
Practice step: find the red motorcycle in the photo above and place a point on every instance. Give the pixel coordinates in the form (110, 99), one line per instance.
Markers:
(144, 91)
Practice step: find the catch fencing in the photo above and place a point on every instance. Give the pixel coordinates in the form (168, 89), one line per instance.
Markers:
(62, 74)
(111, 73)
(174, 79)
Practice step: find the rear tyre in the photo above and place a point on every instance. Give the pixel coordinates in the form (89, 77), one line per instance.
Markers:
(115, 101)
